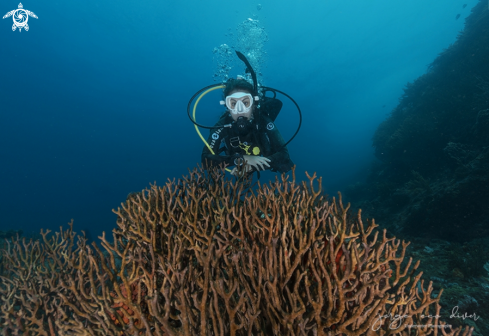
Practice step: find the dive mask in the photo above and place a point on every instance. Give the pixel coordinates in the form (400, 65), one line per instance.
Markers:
(239, 102)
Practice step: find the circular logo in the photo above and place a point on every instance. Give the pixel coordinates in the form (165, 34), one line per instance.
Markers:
(20, 17)
(215, 136)
(270, 126)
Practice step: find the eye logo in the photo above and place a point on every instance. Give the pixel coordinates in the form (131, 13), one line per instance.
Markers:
(270, 126)
(20, 17)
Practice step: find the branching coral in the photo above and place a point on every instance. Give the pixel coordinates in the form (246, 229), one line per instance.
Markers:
(204, 256)
(34, 284)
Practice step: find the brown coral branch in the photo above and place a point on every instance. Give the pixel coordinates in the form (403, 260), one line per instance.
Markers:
(206, 256)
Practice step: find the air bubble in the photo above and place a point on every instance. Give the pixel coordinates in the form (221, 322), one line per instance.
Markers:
(250, 39)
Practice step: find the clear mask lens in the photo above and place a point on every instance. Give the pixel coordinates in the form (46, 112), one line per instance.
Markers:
(239, 102)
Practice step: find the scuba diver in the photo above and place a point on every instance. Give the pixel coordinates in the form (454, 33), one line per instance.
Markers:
(246, 132)
(250, 141)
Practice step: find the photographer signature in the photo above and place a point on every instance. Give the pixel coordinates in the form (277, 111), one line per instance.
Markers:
(397, 320)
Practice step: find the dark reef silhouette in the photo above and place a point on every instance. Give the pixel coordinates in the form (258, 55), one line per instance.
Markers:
(432, 174)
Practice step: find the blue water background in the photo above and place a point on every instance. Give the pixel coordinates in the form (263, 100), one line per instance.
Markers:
(93, 97)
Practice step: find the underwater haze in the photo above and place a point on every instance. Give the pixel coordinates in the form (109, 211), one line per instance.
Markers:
(93, 97)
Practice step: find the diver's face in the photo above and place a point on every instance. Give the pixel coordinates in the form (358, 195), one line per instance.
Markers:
(240, 105)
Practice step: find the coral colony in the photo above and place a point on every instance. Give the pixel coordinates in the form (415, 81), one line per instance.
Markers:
(207, 256)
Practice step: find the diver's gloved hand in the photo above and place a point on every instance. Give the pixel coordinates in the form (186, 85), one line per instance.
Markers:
(257, 162)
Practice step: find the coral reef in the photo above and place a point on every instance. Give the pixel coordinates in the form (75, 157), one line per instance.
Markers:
(432, 177)
(206, 256)
(430, 182)
(5, 237)
(470, 258)
(461, 272)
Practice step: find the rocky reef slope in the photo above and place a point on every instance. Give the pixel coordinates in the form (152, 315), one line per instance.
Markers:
(430, 182)
(432, 174)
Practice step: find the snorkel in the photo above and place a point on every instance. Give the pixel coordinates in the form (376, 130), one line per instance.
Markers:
(244, 124)
(249, 69)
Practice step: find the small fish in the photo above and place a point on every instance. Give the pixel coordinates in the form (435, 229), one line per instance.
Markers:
(458, 15)
(465, 5)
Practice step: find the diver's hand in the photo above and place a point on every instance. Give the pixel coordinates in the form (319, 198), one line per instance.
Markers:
(257, 162)
(246, 169)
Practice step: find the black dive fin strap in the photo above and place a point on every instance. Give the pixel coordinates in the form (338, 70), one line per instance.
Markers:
(250, 69)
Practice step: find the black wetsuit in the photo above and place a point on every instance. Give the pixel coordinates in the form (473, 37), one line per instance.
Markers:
(263, 139)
